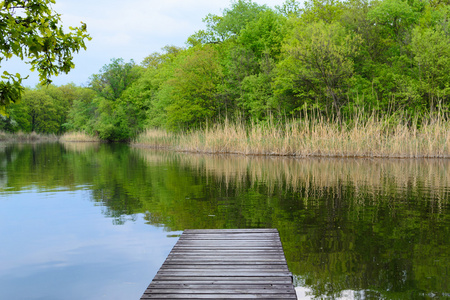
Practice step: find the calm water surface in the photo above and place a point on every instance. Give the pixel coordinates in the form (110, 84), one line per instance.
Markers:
(89, 221)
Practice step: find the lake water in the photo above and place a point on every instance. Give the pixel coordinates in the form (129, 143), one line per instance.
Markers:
(96, 221)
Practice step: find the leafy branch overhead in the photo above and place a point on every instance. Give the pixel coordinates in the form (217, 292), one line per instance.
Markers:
(31, 30)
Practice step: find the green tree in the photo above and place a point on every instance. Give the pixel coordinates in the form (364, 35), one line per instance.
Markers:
(42, 111)
(318, 64)
(264, 35)
(239, 63)
(257, 94)
(107, 114)
(31, 31)
(394, 16)
(327, 11)
(239, 15)
(432, 56)
(156, 59)
(114, 78)
(81, 115)
(234, 19)
(192, 91)
(290, 8)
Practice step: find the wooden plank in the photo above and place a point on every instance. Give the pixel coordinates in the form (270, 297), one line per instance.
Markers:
(224, 268)
(226, 290)
(179, 285)
(227, 280)
(230, 231)
(240, 236)
(218, 296)
(226, 261)
(219, 257)
(226, 244)
(224, 264)
(201, 250)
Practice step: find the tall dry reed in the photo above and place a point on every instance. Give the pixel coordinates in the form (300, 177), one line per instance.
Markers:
(312, 137)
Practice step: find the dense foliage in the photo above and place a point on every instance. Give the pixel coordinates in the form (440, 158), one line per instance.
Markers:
(254, 63)
(31, 31)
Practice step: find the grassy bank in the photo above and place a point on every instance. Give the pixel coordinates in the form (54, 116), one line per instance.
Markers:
(372, 137)
(27, 137)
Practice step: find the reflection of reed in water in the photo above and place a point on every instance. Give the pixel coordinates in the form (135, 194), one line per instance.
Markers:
(31, 137)
(80, 147)
(373, 178)
(78, 137)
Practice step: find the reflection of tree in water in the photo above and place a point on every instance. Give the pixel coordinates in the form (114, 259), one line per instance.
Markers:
(116, 204)
(372, 226)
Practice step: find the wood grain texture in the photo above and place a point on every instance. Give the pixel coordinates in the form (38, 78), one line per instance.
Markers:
(224, 264)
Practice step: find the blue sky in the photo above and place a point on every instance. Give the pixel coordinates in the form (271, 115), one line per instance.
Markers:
(129, 29)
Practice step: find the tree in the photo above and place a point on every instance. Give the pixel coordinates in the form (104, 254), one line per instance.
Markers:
(156, 59)
(290, 8)
(264, 35)
(239, 15)
(234, 19)
(318, 63)
(327, 11)
(31, 31)
(82, 112)
(108, 115)
(192, 92)
(115, 78)
(42, 111)
(394, 16)
(432, 56)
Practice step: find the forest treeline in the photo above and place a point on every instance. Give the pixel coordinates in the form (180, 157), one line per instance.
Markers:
(253, 63)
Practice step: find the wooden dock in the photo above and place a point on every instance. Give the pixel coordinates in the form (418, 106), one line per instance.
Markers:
(224, 264)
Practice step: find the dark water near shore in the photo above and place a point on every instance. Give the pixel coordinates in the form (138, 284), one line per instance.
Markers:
(89, 221)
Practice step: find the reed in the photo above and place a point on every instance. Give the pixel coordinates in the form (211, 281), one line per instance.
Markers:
(313, 137)
(157, 138)
(27, 137)
(78, 137)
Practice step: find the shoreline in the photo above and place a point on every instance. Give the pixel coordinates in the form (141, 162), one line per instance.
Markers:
(294, 156)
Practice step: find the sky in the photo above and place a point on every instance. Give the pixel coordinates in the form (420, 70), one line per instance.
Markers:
(130, 29)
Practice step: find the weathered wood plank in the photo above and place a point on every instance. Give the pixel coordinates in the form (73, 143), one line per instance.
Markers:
(225, 261)
(227, 280)
(226, 244)
(212, 257)
(204, 286)
(223, 268)
(230, 231)
(240, 236)
(227, 290)
(218, 296)
(224, 264)
(201, 250)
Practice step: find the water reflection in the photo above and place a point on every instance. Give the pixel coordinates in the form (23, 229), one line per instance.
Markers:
(369, 228)
(350, 228)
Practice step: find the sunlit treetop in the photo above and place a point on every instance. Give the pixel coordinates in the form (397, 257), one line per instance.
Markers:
(32, 31)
